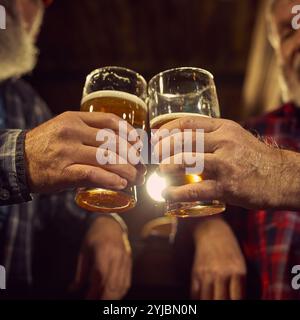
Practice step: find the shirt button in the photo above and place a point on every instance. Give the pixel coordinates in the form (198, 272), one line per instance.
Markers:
(4, 194)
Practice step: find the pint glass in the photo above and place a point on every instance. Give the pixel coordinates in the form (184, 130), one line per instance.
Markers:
(122, 92)
(179, 93)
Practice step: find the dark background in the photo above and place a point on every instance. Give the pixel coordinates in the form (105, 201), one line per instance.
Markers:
(147, 36)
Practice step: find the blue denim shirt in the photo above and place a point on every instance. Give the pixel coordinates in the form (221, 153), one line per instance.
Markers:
(22, 109)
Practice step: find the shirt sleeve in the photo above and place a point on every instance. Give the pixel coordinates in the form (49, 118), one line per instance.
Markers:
(13, 182)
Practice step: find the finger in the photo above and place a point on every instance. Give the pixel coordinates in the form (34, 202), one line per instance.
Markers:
(195, 288)
(103, 263)
(95, 137)
(113, 285)
(221, 290)
(102, 270)
(126, 275)
(128, 278)
(193, 122)
(237, 287)
(101, 120)
(82, 271)
(106, 156)
(87, 176)
(206, 288)
(95, 286)
(202, 191)
(133, 174)
(185, 142)
(198, 164)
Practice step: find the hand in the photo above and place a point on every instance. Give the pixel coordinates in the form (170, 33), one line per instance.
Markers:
(61, 154)
(239, 169)
(219, 268)
(104, 264)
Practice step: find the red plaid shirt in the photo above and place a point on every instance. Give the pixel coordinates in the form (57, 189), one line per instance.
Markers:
(271, 239)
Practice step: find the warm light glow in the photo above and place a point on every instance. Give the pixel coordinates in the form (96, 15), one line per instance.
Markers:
(195, 178)
(155, 186)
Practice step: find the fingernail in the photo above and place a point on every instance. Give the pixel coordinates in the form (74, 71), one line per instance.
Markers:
(123, 183)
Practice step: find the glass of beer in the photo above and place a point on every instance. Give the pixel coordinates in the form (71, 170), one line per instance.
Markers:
(122, 92)
(175, 94)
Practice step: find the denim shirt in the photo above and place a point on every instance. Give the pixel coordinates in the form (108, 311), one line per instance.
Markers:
(21, 109)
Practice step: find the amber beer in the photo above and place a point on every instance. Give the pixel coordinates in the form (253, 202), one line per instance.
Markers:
(132, 109)
(183, 209)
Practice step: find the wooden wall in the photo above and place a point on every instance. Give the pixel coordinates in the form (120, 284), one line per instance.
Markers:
(148, 36)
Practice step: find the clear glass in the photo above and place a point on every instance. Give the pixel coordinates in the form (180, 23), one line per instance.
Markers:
(178, 93)
(122, 92)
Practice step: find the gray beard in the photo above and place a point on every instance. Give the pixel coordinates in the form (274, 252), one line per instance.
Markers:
(290, 89)
(18, 53)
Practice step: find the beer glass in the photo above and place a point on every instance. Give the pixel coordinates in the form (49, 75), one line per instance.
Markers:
(122, 92)
(179, 93)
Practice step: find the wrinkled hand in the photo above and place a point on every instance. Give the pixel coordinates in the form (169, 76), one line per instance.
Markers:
(219, 268)
(104, 264)
(61, 154)
(239, 169)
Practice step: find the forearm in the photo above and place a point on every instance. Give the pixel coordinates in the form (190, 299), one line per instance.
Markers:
(287, 188)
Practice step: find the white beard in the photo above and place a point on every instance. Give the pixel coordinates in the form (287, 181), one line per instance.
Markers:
(18, 53)
(290, 83)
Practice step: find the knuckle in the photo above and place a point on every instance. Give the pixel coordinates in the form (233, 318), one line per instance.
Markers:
(219, 190)
(233, 130)
(223, 165)
(240, 269)
(112, 119)
(219, 164)
(65, 130)
(231, 124)
(67, 114)
(203, 272)
(193, 193)
(85, 175)
(187, 122)
(130, 173)
(229, 186)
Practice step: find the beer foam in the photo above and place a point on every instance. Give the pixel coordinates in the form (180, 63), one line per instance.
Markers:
(115, 94)
(165, 118)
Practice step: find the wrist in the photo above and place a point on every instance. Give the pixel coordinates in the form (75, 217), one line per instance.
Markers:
(286, 187)
(206, 226)
(108, 226)
(28, 164)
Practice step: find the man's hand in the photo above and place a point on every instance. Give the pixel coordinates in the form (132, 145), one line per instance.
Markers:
(61, 154)
(219, 268)
(104, 264)
(239, 169)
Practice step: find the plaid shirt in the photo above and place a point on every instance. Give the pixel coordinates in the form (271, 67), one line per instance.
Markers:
(271, 239)
(20, 218)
